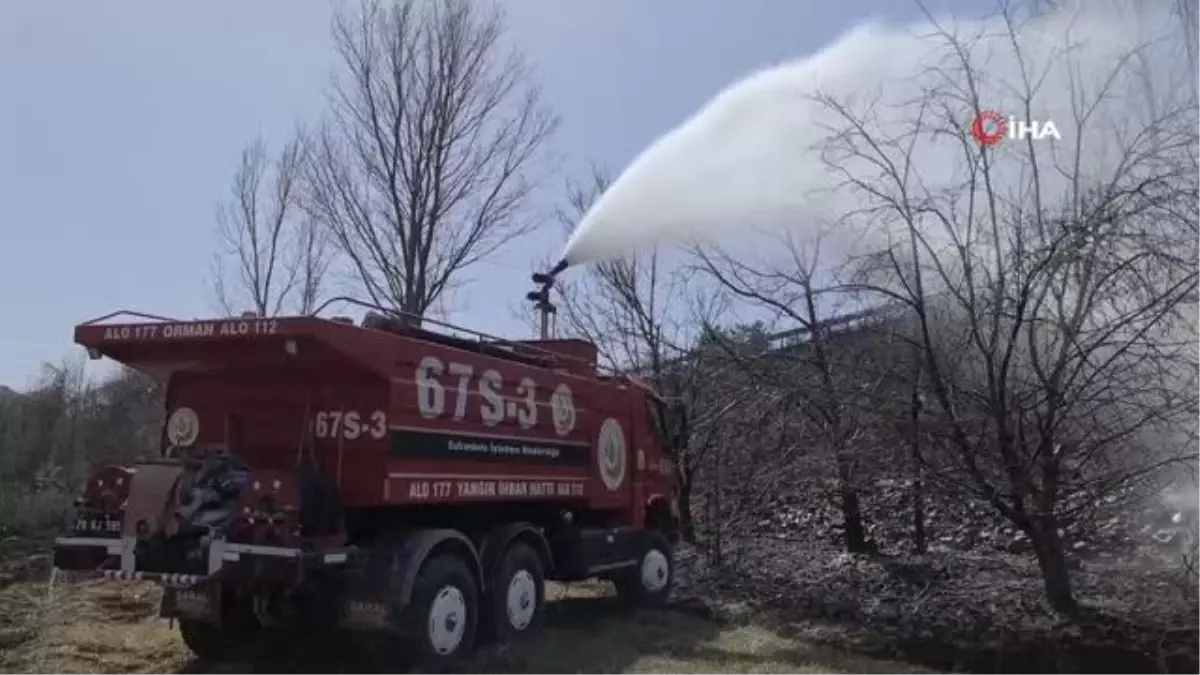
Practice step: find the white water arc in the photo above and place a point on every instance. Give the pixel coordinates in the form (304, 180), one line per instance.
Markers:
(750, 159)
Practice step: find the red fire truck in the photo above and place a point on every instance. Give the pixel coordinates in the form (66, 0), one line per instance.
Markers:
(381, 477)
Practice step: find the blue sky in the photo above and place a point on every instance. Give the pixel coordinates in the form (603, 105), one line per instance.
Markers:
(122, 123)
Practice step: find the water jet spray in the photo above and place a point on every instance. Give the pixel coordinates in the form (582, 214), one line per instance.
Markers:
(763, 164)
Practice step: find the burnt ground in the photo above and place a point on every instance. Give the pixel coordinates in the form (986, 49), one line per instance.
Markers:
(779, 607)
(112, 628)
(959, 612)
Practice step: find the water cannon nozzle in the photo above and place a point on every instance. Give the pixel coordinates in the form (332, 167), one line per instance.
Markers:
(540, 297)
(547, 278)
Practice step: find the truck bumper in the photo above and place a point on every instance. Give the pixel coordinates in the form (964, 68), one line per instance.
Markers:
(251, 572)
(254, 563)
(89, 554)
(164, 579)
(114, 558)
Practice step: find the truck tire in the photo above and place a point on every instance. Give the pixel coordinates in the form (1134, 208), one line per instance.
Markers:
(207, 641)
(444, 611)
(648, 583)
(518, 594)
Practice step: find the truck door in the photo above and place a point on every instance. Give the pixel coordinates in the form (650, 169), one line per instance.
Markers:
(654, 491)
(646, 454)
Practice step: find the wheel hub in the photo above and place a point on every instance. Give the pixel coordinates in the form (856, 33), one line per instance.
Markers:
(447, 620)
(521, 600)
(656, 571)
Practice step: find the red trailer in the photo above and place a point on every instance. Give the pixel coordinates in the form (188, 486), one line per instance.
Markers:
(380, 477)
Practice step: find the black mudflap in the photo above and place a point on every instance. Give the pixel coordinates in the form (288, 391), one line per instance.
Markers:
(364, 590)
(197, 603)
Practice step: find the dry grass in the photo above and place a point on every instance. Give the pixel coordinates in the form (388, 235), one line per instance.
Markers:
(109, 628)
(86, 628)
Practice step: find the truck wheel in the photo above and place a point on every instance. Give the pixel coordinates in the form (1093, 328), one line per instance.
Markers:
(648, 583)
(207, 641)
(518, 593)
(444, 610)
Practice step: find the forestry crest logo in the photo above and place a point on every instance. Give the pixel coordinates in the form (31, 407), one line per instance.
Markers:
(183, 427)
(990, 126)
(610, 454)
(562, 409)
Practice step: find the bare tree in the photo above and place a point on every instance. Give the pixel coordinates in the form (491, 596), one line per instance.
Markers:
(829, 383)
(272, 257)
(428, 153)
(747, 455)
(725, 409)
(1051, 308)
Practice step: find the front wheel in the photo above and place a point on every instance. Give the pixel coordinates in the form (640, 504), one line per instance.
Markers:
(444, 610)
(648, 583)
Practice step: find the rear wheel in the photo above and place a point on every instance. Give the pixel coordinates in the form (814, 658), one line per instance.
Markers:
(517, 594)
(444, 611)
(648, 582)
(210, 642)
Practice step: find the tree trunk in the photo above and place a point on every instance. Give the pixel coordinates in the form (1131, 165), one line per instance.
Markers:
(687, 525)
(918, 507)
(1052, 560)
(918, 485)
(915, 405)
(716, 543)
(852, 522)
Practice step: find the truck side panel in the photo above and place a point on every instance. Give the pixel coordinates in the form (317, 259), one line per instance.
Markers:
(467, 427)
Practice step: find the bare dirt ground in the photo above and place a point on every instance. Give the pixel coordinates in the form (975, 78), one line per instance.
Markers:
(956, 612)
(98, 627)
(782, 608)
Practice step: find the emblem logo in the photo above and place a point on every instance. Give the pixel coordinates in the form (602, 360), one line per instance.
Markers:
(183, 427)
(611, 455)
(562, 409)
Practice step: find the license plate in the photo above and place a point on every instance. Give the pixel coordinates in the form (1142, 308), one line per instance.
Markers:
(97, 526)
